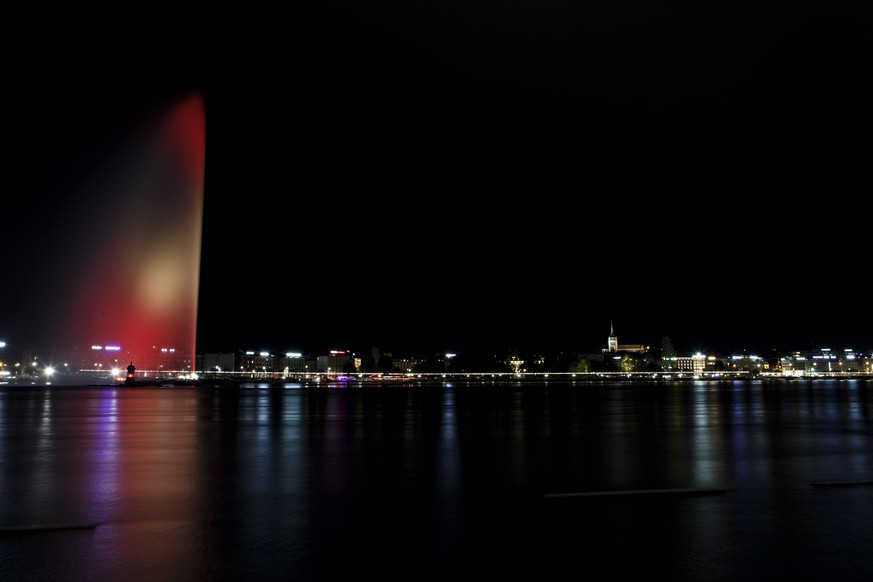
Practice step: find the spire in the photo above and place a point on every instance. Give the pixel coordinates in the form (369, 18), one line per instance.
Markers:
(612, 341)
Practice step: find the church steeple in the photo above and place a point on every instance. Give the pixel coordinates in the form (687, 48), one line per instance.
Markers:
(612, 341)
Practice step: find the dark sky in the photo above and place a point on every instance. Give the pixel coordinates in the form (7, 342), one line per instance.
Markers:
(461, 175)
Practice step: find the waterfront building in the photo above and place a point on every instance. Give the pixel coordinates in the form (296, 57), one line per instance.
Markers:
(336, 361)
(255, 362)
(613, 346)
(612, 340)
(295, 362)
(218, 362)
(748, 363)
(694, 365)
(826, 362)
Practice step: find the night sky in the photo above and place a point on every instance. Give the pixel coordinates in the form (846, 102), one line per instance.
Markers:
(456, 176)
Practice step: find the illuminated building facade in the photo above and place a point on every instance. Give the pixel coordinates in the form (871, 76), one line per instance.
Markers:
(612, 344)
(826, 362)
(336, 361)
(612, 340)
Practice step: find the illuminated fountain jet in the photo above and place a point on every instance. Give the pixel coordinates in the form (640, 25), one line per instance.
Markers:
(129, 249)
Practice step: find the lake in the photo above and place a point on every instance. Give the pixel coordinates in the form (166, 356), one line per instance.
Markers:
(683, 480)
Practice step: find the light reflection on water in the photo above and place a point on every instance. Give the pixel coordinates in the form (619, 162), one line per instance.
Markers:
(319, 483)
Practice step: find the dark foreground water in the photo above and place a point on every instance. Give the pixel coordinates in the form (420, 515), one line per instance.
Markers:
(438, 482)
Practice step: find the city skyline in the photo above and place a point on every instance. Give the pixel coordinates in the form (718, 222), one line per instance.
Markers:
(615, 361)
(588, 344)
(587, 347)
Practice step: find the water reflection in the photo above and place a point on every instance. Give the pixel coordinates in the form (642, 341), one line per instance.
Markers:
(315, 483)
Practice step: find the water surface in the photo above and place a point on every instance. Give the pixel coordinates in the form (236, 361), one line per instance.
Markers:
(437, 481)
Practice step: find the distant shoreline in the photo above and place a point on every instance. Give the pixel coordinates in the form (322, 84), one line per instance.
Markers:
(355, 380)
